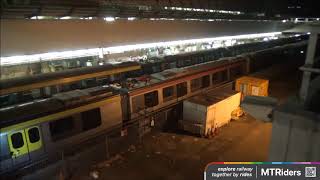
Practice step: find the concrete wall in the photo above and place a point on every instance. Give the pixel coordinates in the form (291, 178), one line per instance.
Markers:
(295, 135)
(20, 37)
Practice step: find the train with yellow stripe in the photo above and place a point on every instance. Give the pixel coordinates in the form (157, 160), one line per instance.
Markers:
(43, 128)
(95, 122)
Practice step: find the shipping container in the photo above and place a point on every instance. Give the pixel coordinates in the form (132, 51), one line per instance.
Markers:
(252, 86)
(203, 114)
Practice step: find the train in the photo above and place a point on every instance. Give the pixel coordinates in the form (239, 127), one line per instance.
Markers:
(24, 89)
(97, 121)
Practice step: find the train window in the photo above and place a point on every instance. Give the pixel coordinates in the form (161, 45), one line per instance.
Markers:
(216, 78)
(53, 90)
(187, 62)
(194, 60)
(34, 135)
(36, 93)
(205, 81)
(156, 68)
(74, 86)
(165, 66)
(65, 88)
(201, 59)
(168, 93)
(207, 58)
(220, 77)
(72, 64)
(25, 96)
(182, 89)
(151, 99)
(180, 63)
(91, 119)
(235, 72)
(103, 80)
(195, 84)
(17, 140)
(90, 82)
(224, 75)
(61, 127)
(137, 103)
(173, 65)
(5, 100)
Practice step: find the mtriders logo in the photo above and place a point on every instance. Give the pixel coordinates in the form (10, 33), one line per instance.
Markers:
(280, 172)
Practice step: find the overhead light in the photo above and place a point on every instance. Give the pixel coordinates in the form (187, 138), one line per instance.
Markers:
(204, 10)
(66, 17)
(131, 18)
(109, 19)
(38, 17)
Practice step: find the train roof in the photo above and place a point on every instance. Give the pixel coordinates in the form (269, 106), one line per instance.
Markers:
(59, 102)
(145, 83)
(62, 77)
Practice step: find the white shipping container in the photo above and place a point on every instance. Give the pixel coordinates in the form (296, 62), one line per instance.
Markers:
(205, 112)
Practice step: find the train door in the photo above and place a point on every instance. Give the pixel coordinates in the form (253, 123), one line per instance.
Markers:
(25, 144)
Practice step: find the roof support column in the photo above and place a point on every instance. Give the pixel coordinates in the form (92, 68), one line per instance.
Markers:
(308, 64)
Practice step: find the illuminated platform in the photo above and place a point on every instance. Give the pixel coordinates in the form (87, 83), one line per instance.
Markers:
(173, 47)
(26, 37)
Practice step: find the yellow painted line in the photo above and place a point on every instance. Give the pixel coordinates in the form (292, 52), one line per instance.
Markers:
(59, 115)
(67, 80)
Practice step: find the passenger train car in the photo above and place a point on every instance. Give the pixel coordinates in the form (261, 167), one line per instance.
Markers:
(42, 129)
(24, 89)
(188, 59)
(72, 122)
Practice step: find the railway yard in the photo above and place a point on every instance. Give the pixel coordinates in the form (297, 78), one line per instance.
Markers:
(184, 156)
(179, 155)
(159, 89)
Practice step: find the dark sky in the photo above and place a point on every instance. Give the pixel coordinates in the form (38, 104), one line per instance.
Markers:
(291, 7)
(301, 7)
